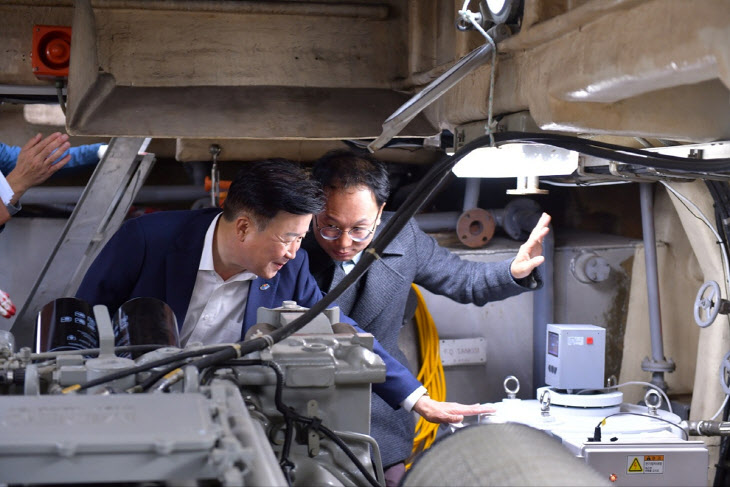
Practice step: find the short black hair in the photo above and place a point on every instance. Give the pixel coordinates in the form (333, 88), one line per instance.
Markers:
(264, 188)
(343, 168)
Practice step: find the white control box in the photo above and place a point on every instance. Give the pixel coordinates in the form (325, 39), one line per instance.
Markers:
(576, 356)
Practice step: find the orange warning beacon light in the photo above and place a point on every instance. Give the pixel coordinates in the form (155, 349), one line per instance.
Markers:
(51, 52)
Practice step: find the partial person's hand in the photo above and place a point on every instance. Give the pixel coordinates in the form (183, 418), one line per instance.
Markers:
(530, 254)
(37, 162)
(7, 308)
(447, 412)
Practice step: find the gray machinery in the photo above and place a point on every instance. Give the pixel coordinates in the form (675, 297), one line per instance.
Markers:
(627, 444)
(297, 412)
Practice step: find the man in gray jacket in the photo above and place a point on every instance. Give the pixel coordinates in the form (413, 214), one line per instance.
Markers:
(357, 187)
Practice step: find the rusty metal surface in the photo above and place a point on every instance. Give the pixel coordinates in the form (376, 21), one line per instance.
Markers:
(475, 227)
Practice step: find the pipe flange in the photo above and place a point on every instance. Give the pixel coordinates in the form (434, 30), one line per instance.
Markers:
(475, 227)
(651, 365)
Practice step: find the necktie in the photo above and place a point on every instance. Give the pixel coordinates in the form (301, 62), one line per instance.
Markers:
(346, 299)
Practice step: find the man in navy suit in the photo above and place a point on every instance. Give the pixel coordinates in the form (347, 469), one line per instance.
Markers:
(216, 268)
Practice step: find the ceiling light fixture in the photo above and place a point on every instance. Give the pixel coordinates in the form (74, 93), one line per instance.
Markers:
(516, 160)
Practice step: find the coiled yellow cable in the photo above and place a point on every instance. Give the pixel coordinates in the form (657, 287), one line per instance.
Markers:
(431, 374)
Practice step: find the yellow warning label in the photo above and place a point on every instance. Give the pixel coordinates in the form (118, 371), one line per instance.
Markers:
(653, 458)
(635, 466)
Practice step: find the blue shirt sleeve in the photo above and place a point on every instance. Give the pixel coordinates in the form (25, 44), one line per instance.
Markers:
(8, 157)
(81, 155)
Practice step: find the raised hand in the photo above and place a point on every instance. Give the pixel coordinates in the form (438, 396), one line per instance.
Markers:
(37, 161)
(529, 255)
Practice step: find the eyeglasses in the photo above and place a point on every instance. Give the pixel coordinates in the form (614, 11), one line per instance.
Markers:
(357, 234)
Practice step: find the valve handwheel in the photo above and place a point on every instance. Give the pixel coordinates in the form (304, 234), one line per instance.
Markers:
(708, 304)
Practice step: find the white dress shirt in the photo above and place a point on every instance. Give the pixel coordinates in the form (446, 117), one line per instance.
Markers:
(6, 192)
(215, 313)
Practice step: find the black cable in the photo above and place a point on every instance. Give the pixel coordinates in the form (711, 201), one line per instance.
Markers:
(155, 376)
(318, 426)
(285, 463)
(207, 375)
(558, 140)
(313, 423)
(152, 379)
(291, 415)
(94, 352)
(625, 155)
(721, 197)
(686, 435)
(143, 368)
(59, 95)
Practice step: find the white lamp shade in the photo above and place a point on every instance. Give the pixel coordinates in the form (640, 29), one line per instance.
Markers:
(517, 160)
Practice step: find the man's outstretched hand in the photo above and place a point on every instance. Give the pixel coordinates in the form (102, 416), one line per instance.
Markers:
(37, 161)
(447, 412)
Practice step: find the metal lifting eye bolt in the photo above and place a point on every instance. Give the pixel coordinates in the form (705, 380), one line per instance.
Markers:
(653, 401)
(511, 393)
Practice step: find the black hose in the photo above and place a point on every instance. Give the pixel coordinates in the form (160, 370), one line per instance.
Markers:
(59, 94)
(290, 416)
(142, 368)
(314, 423)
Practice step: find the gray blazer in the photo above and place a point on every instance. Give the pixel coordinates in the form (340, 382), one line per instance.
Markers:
(377, 302)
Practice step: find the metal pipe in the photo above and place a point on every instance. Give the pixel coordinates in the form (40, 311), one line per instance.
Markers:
(369, 440)
(707, 428)
(446, 220)
(652, 275)
(30, 90)
(543, 309)
(657, 365)
(259, 7)
(471, 193)
(498, 215)
(429, 94)
(51, 195)
(438, 222)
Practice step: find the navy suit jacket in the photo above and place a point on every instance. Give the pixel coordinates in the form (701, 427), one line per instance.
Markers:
(158, 255)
